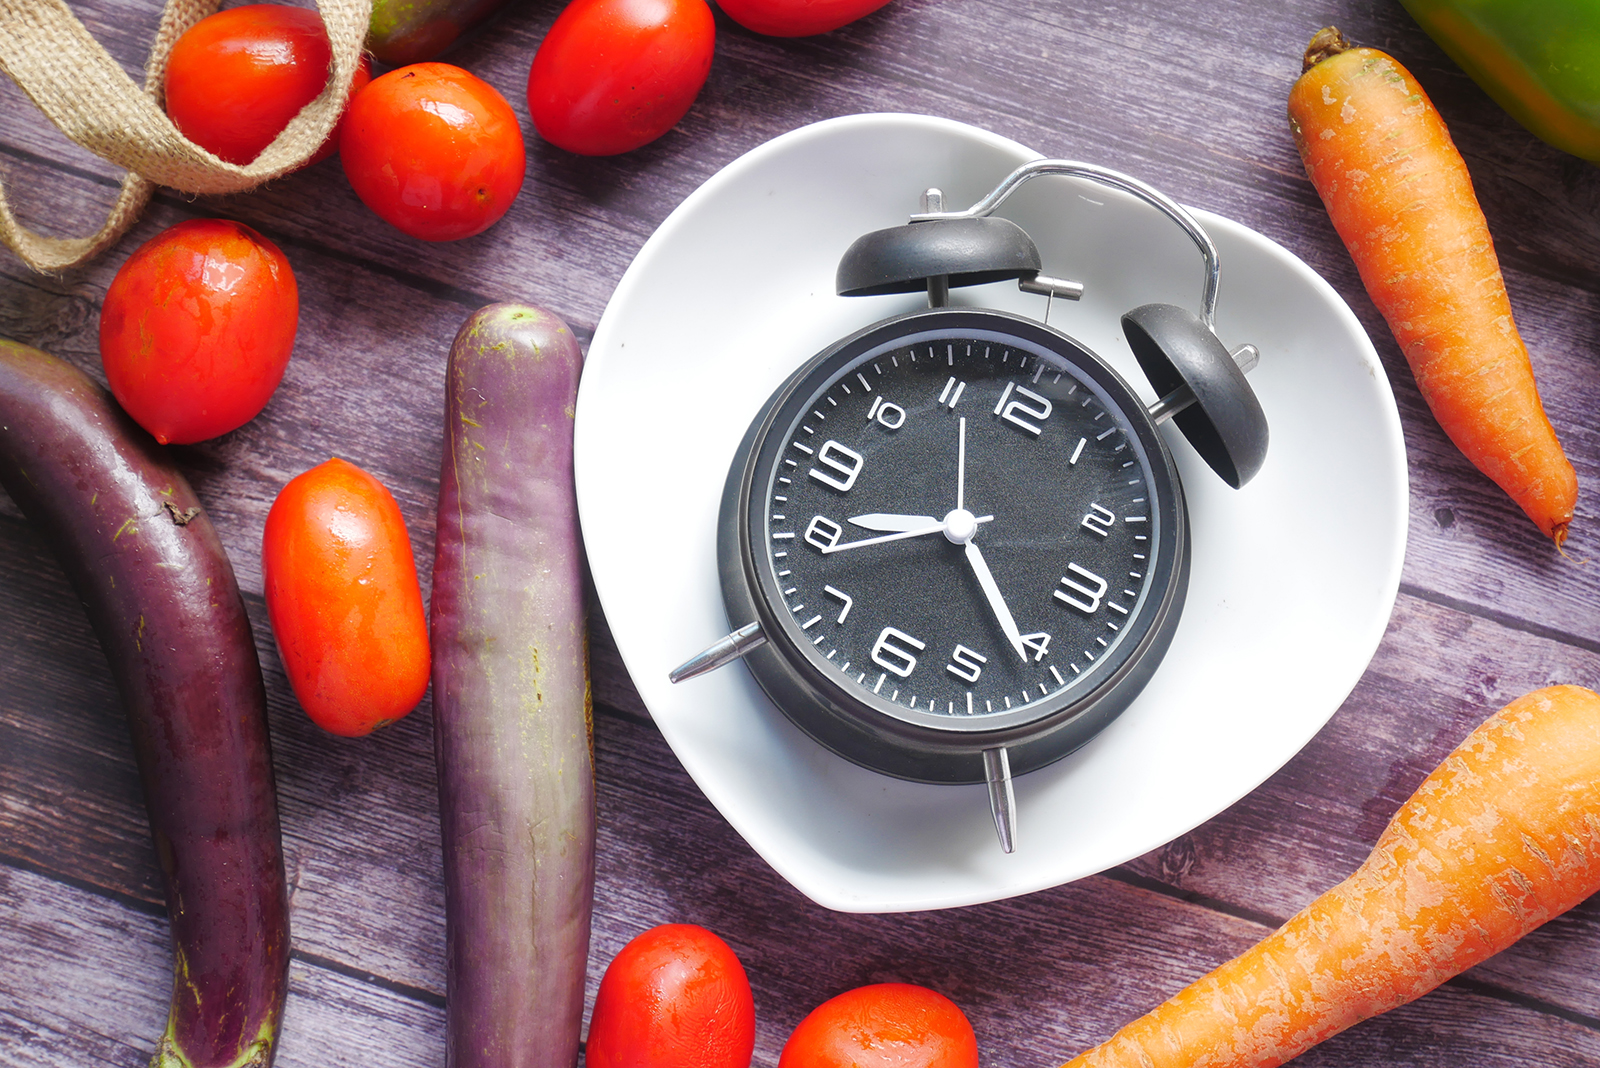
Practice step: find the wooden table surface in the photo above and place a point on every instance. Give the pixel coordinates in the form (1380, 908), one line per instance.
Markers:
(1187, 95)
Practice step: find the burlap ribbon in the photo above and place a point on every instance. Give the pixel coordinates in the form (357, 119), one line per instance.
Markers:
(87, 94)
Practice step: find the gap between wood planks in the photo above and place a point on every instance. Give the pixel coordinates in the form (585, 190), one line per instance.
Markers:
(1504, 619)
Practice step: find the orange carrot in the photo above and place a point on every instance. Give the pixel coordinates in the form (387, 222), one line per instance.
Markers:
(1504, 835)
(1401, 199)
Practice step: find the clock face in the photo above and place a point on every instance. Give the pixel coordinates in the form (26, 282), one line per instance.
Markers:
(962, 522)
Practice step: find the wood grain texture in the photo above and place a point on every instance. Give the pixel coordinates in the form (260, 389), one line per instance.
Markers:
(1189, 96)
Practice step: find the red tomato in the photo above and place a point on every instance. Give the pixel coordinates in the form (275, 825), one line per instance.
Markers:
(675, 997)
(796, 18)
(343, 599)
(434, 151)
(197, 327)
(887, 1025)
(236, 78)
(612, 75)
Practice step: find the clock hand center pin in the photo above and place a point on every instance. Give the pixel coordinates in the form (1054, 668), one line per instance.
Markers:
(960, 526)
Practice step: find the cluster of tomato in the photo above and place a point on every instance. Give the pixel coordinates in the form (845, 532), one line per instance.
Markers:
(198, 324)
(677, 997)
(431, 148)
(195, 334)
(437, 151)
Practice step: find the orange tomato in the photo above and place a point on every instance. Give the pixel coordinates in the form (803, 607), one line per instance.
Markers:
(197, 327)
(612, 75)
(434, 151)
(236, 78)
(343, 598)
(886, 1025)
(796, 18)
(674, 997)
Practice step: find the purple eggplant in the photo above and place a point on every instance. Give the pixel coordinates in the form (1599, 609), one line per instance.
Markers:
(162, 598)
(512, 718)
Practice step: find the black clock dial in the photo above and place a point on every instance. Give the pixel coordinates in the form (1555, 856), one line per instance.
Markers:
(962, 524)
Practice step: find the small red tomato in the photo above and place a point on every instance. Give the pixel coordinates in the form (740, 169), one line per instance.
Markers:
(796, 18)
(674, 997)
(612, 75)
(886, 1025)
(434, 151)
(343, 599)
(197, 327)
(236, 78)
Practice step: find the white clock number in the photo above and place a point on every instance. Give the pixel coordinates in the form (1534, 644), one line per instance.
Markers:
(889, 415)
(1087, 589)
(1028, 403)
(844, 462)
(890, 651)
(966, 663)
(951, 392)
(823, 533)
(841, 595)
(1039, 643)
(1098, 520)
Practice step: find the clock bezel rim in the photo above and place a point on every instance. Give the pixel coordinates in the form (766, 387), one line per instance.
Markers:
(751, 589)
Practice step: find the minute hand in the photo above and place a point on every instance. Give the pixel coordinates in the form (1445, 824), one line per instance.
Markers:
(997, 603)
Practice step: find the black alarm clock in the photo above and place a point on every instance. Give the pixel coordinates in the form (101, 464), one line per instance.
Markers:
(953, 546)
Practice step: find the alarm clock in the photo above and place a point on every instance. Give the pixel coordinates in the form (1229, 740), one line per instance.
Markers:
(953, 546)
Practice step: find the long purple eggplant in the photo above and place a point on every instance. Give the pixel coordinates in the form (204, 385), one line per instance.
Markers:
(162, 598)
(512, 718)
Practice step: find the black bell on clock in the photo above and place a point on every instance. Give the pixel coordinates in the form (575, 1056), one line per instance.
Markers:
(954, 545)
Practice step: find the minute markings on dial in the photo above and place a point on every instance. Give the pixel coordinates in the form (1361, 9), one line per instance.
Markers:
(957, 368)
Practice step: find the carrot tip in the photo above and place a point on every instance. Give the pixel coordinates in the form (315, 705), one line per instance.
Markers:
(1558, 534)
(1325, 44)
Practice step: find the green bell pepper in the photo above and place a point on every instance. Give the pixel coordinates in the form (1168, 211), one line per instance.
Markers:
(1539, 59)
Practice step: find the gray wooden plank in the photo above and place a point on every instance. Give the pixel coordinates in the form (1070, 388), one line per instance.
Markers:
(1226, 149)
(360, 829)
(86, 982)
(1189, 99)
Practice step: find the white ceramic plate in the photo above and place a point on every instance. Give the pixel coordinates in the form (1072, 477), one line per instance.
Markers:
(1293, 576)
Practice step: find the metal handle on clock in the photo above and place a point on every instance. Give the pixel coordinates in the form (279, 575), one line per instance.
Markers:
(1115, 180)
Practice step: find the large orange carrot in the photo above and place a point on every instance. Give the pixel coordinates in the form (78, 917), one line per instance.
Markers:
(1400, 197)
(1504, 835)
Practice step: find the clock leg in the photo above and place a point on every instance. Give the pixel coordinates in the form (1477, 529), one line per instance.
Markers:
(723, 651)
(1002, 798)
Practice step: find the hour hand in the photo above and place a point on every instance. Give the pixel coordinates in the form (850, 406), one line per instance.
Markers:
(888, 521)
(934, 526)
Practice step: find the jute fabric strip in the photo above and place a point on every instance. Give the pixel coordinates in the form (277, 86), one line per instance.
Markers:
(91, 99)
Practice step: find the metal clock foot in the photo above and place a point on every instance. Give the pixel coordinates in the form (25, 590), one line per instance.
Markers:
(723, 651)
(1002, 798)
